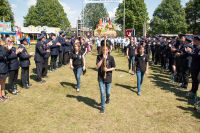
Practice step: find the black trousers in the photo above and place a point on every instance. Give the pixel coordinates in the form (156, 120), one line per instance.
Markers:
(185, 76)
(25, 76)
(66, 58)
(60, 59)
(45, 67)
(195, 82)
(157, 58)
(39, 67)
(53, 61)
(13, 75)
(153, 55)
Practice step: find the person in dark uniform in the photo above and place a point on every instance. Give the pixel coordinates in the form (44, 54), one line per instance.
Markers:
(54, 52)
(186, 62)
(195, 67)
(77, 63)
(67, 52)
(46, 48)
(153, 50)
(131, 51)
(3, 71)
(105, 65)
(157, 52)
(13, 65)
(47, 55)
(24, 59)
(61, 40)
(39, 57)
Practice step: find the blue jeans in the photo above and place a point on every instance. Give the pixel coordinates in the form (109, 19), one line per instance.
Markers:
(131, 62)
(140, 76)
(104, 87)
(77, 74)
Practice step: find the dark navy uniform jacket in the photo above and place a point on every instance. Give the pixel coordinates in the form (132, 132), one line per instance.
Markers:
(54, 48)
(46, 47)
(24, 57)
(3, 60)
(13, 63)
(69, 47)
(39, 52)
(61, 40)
(195, 66)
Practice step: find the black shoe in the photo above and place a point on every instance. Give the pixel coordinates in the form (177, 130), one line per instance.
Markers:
(107, 100)
(102, 111)
(26, 87)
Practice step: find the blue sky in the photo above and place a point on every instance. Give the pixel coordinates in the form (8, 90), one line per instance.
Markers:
(73, 8)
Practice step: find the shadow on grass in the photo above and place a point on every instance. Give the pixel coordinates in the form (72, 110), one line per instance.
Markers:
(120, 70)
(86, 100)
(190, 109)
(65, 84)
(34, 71)
(130, 88)
(93, 68)
(162, 80)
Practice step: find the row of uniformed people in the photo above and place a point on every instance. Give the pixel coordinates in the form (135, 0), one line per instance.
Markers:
(58, 48)
(181, 56)
(9, 66)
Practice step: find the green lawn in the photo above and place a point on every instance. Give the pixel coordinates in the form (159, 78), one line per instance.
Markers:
(56, 107)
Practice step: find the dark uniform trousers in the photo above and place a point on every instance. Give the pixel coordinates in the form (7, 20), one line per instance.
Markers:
(25, 76)
(66, 58)
(39, 67)
(13, 75)
(195, 82)
(45, 67)
(53, 61)
(60, 59)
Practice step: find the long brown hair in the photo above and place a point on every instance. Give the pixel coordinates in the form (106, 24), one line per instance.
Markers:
(78, 45)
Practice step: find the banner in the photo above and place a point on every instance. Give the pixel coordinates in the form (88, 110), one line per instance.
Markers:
(5, 27)
(103, 1)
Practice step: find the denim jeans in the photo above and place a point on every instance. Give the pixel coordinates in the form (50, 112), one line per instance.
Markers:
(77, 74)
(104, 88)
(140, 76)
(131, 62)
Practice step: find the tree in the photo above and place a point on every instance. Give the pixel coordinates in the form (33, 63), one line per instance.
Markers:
(169, 18)
(6, 13)
(47, 13)
(92, 13)
(135, 15)
(192, 11)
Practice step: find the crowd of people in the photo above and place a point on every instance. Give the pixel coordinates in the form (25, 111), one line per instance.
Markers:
(180, 55)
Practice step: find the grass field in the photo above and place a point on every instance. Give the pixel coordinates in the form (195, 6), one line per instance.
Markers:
(56, 107)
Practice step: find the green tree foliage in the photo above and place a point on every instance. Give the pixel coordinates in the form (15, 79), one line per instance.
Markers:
(47, 13)
(136, 15)
(192, 11)
(6, 13)
(92, 13)
(169, 18)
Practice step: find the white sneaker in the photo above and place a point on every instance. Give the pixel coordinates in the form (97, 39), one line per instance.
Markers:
(77, 90)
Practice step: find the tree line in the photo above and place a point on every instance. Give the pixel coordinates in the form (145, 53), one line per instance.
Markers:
(170, 17)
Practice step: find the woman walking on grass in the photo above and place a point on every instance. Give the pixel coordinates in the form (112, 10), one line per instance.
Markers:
(77, 63)
(105, 65)
(141, 64)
